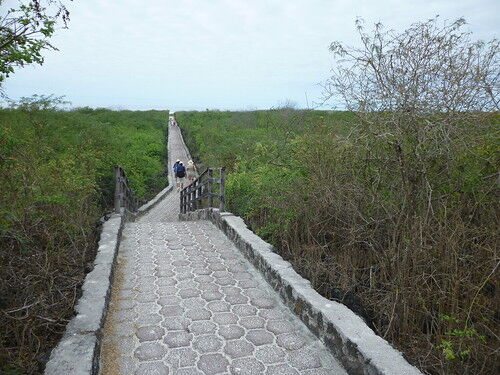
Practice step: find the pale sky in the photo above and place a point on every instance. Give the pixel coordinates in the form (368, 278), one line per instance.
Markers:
(216, 54)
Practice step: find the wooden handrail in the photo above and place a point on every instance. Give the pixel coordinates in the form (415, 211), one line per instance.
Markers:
(124, 195)
(202, 192)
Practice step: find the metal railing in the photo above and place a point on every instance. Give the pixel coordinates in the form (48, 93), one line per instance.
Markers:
(124, 196)
(206, 191)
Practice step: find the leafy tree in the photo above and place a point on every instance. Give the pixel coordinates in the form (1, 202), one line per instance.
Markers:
(25, 32)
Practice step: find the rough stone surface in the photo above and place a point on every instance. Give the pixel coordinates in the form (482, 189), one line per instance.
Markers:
(345, 334)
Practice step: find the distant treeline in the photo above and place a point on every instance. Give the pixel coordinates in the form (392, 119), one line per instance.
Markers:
(56, 181)
(400, 226)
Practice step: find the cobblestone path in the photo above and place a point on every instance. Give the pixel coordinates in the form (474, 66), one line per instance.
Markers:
(186, 301)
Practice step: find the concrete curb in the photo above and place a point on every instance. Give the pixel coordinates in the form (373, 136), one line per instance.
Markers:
(348, 337)
(153, 202)
(78, 351)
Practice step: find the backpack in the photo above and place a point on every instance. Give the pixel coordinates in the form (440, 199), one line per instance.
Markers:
(181, 171)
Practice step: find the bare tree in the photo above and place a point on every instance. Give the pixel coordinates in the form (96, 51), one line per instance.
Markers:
(430, 68)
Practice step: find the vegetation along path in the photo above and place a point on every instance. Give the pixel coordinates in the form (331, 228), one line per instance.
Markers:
(186, 301)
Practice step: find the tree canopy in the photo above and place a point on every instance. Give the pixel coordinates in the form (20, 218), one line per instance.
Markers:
(25, 32)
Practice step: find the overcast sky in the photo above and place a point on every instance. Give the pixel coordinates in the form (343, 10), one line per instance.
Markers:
(225, 54)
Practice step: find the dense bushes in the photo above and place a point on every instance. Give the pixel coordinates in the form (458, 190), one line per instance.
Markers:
(400, 227)
(56, 180)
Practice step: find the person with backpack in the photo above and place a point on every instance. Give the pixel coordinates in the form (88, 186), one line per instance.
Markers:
(175, 166)
(180, 174)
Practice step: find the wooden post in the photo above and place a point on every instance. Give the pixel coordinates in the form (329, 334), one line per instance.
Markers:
(222, 190)
(183, 207)
(195, 190)
(210, 198)
(117, 189)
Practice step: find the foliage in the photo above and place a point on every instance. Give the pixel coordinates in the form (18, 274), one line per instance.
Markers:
(56, 181)
(25, 32)
(335, 199)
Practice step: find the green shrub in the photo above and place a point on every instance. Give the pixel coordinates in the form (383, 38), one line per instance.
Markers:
(401, 227)
(56, 181)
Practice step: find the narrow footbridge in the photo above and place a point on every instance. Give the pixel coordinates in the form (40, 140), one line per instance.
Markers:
(187, 298)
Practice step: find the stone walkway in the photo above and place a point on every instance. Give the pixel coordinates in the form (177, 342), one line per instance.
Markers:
(185, 301)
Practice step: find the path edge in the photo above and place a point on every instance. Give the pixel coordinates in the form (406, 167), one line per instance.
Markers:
(345, 334)
(78, 351)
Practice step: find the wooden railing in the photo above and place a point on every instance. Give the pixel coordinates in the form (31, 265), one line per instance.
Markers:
(206, 191)
(124, 196)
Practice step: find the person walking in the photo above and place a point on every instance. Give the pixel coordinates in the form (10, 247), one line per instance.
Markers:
(176, 164)
(191, 172)
(180, 174)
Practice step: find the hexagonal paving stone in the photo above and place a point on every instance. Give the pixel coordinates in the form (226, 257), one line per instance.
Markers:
(199, 314)
(247, 366)
(169, 300)
(279, 326)
(212, 364)
(178, 263)
(218, 306)
(148, 319)
(201, 327)
(231, 332)
(204, 279)
(167, 290)
(225, 318)
(164, 273)
(189, 293)
(255, 293)
(181, 357)
(290, 341)
(166, 281)
(209, 287)
(150, 333)
(202, 271)
(172, 310)
(193, 303)
(252, 322)
(263, 302)
(259, 337)
(184, 275)
(207, 344)
(244, 310)
(150, 351)
(221, 274)
(236, 299)
(224, 281)
(211, 295)
(177, 339)
(146, 297)
(271, 314)
(269, 354)
(188, 371)
(231, 290)
(152, 368)
(176, 323)
(283, 369)
(238, 348)
(187, 284)
(304, 359)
